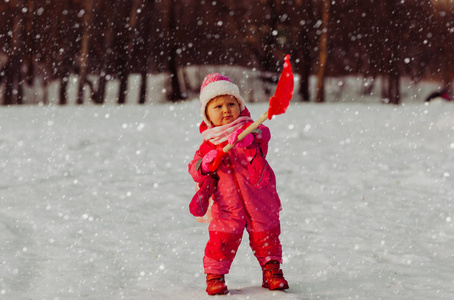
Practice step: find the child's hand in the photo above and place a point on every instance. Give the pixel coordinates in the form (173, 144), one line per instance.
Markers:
(264, 134)
(207, 160)
(246, 142)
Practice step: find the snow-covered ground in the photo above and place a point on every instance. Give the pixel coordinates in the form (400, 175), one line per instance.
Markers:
(95, 203)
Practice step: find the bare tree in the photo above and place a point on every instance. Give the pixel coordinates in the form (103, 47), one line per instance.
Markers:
(30, 49)
(444, 16)
(391, 45)
(171, 30)
(320, 96)
(63, 46)
(85, 43)
(13, 82)
(144, 44)
(304, 44)
(122, 10)
(106, 37)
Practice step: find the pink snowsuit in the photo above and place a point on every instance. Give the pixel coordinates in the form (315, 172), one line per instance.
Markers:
(246, 196)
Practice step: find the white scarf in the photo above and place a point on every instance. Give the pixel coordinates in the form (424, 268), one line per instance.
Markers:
(220, 134)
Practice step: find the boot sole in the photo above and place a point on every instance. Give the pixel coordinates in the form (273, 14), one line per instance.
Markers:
(267, 286)
(219, 293)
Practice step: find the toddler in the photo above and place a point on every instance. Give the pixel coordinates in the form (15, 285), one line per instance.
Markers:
(245, 196)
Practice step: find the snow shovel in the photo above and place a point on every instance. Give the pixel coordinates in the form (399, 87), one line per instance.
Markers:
(278, 105)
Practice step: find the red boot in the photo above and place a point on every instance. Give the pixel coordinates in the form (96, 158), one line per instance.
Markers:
(216, 284)
(273, 278)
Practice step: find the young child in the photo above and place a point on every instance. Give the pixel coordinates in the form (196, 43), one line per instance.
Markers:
(245, 196)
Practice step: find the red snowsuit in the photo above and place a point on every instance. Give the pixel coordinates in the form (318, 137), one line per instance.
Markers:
(246, 196)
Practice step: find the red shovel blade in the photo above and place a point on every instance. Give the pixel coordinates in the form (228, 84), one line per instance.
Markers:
(284, 91)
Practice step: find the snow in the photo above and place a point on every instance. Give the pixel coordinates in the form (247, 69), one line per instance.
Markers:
(95, 203)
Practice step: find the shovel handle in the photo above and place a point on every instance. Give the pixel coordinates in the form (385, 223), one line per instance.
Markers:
(248, 130)
(221, 152)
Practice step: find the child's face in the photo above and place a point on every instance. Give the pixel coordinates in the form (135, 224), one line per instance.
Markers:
(223, 110)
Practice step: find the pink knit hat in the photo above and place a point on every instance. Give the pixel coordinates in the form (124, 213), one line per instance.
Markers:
(216, 85)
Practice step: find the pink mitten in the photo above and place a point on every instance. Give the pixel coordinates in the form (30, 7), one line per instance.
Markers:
(207, 159)
(246, 142)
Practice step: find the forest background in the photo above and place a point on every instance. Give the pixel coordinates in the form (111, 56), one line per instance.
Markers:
(47, 41)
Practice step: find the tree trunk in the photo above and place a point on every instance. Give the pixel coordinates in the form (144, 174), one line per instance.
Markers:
(175, 90)
(384, 89)
(122, 48)
(8, 98)
(101, 91)
(123, 76)
(394, 88)
(145, 27)
(86, 20)
(391, 52)
(143, 88)
(30, 43)
(13, 84)
(106, 57)
(67, 59)
(63, 93)
(445, 43)
(133, 33)
(305, 75)
(320, 97)
(306, 49)
(144, 45)
(270, 61)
